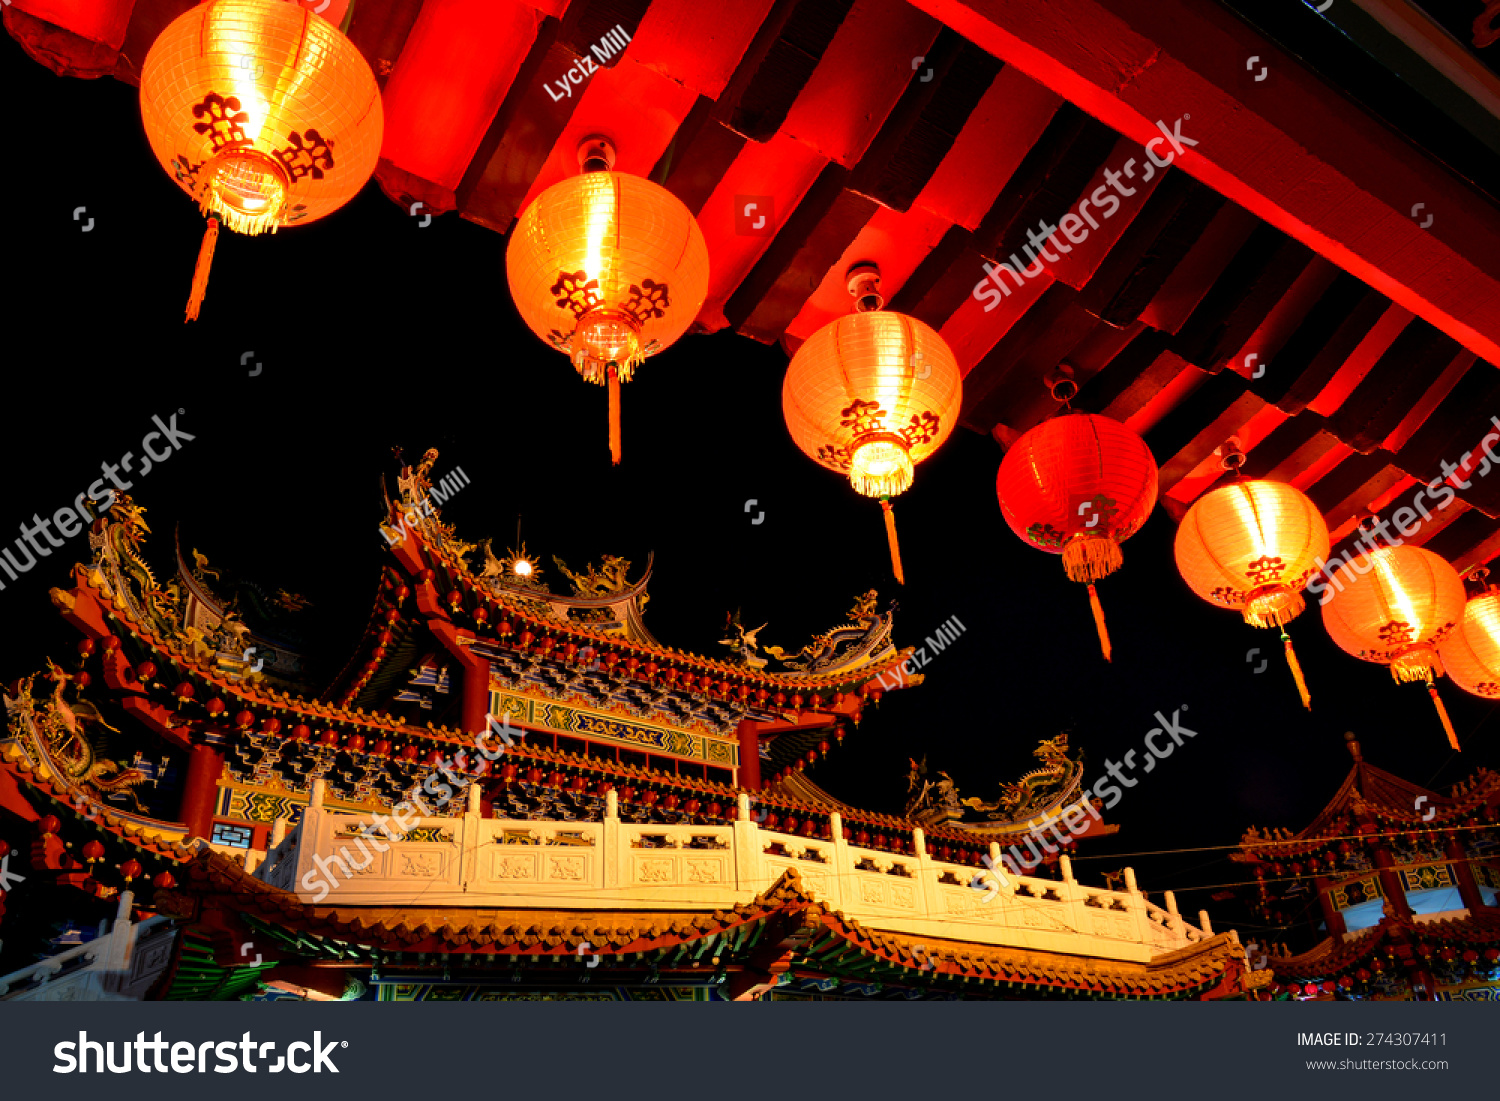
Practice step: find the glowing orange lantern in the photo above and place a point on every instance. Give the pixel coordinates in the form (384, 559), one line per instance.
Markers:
(1471, 655)
(1252, 546)
(608, 268)
(1079, 485)
(871, 395)
(264, 113)
(1394, 605)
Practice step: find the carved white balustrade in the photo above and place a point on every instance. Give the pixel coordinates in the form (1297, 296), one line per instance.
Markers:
(119, 965)
(613, 865)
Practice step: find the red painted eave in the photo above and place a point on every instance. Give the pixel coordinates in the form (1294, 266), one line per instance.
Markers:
(1306, 160)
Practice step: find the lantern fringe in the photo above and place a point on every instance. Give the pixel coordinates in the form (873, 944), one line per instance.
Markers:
(614, 416)
(1437, 701)
(1099, 622)
(598, 371)
(1296, 668)
(200, 273)
(870, 485)
(1266, 612)
(1090, 558)
(1416, 666)
(890, 534)
(251, 225)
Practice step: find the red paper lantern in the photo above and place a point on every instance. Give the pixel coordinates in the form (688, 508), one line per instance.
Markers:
(872, 394)
(263, 112)
(131, 870)
(163, 881)
(93, 852)
(609, 269)
(1395, 606)
(1471, 655)
(1079, 485)
(1252, 546)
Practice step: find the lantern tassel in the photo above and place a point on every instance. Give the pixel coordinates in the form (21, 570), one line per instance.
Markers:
(1296, 668)
(1088, 558)
(890, 533)
(1437, 701)
(200, 274)
(1099, 622)
(614, 415)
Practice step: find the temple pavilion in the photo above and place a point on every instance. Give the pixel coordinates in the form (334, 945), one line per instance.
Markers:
(512, 792)
(1401, 880)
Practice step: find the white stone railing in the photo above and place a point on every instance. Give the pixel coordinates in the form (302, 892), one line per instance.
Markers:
(118, 965)
(484, 862)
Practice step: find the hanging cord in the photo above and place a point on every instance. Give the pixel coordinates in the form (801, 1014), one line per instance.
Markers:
(200, 273)
(890, 533)
(1296, 668)
(1437, 701)
(1099, 622)
(614, 414)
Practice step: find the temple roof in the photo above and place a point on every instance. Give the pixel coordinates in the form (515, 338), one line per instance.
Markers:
(1333, 958)
(817, 940)
(434, 610)
(1392, 802)
(603, 612)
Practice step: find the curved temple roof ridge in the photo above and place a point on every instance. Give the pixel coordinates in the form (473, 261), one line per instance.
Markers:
(605, 606)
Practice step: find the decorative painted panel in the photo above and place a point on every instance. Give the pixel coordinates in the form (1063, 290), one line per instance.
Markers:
(611, 728)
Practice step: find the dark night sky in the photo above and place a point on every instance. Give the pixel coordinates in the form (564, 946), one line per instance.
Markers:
(374, 332)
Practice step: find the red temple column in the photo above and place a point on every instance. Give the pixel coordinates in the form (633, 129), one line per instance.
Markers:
(475, 701)
(200, 795)
(1390, 881)
(1468, 886)
(749, 774)
(1331, 916)
(476, 698)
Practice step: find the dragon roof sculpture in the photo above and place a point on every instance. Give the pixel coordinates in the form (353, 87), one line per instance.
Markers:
(1036, 797)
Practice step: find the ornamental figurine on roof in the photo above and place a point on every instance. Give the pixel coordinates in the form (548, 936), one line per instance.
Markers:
(1040, 793)
(604, 597)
